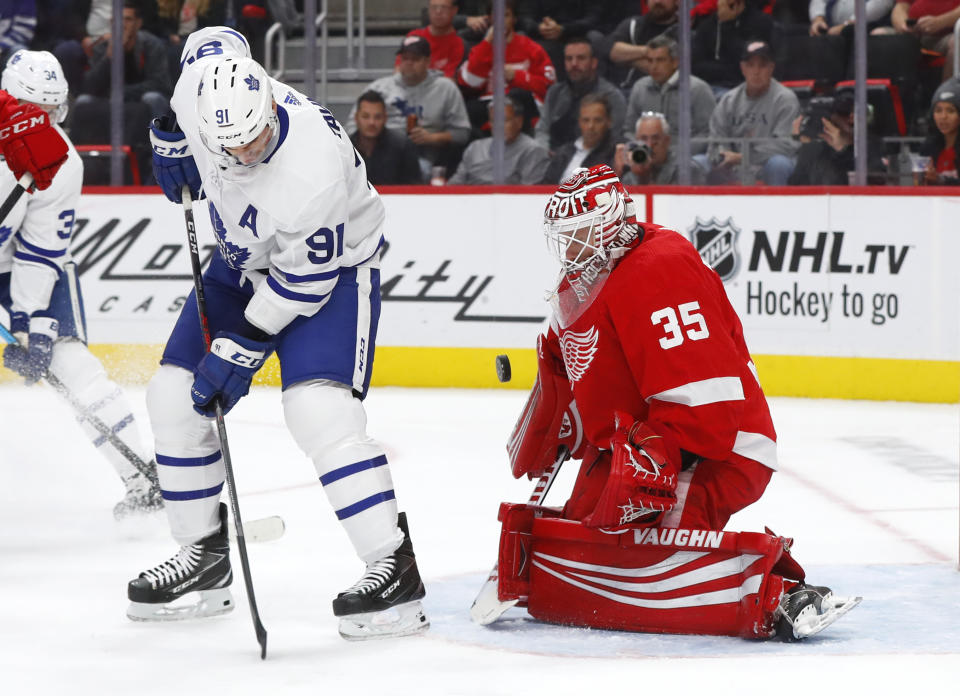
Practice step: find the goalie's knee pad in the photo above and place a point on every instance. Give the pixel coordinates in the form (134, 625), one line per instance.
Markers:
(329, 424)
(653, 579)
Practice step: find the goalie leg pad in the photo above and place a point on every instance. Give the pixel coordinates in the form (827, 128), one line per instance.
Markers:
(652, 580)
(189, 461)
(329, 424)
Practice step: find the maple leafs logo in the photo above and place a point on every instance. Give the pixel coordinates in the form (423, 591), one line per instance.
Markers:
(253, 83)
(578, 351)
(234, 255)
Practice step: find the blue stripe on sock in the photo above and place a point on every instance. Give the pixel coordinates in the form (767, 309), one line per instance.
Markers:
(351, 469)
(192, 495)
(188, 461)
(351, 510)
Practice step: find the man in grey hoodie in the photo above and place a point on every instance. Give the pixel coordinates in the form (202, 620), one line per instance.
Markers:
(761, 108)
(658, 92)
(425, 105)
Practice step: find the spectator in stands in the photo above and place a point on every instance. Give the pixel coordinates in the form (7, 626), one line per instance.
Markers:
(446, 47)
(659, 168)
(931, 21)
(826, 157)
(390, 156)
(627, 46)
(596, 144)
(942, 145)
(146, 77)
(18, 22)
(176, 19)
(551, 22)
(833, 16)
(75, 52)
(658, 92)
(561, 109)
(524, 160)
(526, 66)
(719, 39)
(760, 107)
(426, 105)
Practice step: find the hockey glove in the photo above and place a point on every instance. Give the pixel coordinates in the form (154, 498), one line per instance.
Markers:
(30, 143)
(173, 165)
(32, 362)
(225, 372)
(643, 481)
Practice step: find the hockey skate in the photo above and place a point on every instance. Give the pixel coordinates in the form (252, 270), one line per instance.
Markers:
(385, 602)
(193, 583)
(143, 496)
(806, 610)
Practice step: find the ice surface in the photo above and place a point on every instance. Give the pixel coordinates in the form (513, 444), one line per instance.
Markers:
(869, 491)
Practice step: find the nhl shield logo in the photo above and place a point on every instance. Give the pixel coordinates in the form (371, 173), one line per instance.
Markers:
(717, 243)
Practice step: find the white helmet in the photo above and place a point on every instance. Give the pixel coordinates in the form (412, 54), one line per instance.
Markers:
(36, 77)
(234, 105)
(589, 216)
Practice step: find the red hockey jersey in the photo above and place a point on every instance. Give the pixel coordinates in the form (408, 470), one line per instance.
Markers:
(533, 70)
(661, 342)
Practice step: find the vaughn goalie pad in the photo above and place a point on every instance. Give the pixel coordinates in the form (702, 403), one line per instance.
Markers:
(652, 580)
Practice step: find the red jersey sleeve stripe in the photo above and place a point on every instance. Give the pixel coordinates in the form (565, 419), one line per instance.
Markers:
(757, 447)
(705, 391)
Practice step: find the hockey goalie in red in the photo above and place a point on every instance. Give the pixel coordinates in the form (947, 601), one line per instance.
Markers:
(645, 377)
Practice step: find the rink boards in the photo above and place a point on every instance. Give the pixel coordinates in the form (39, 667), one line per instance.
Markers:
(845, 296)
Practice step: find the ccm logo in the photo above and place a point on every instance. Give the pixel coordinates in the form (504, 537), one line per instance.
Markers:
(246, 360)
(171, 151)
(21, 126)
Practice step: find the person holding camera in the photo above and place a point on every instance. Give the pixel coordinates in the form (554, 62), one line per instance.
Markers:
(826, 155)
(648, 159)
(756, 114)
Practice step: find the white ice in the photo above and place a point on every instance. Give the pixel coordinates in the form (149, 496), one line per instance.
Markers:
(868, 490)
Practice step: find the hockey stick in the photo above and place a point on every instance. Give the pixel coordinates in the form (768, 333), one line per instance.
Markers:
(23, 183)
(221, 425)
(487, 607)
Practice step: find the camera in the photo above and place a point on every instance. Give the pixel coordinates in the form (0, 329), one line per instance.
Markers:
(639, 152)
(817, 108)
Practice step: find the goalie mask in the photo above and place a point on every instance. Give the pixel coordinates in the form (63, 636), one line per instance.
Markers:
(36, 77)
(235, 108)
(589, 222)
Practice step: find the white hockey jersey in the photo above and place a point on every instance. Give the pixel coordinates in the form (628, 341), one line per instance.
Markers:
(302, 214)
(35, 236)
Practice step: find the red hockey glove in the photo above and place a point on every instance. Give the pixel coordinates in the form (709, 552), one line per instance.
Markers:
(30, 143)
(643, 481)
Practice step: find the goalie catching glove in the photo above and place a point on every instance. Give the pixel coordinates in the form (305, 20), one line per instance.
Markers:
(29, 142)
(642, 484)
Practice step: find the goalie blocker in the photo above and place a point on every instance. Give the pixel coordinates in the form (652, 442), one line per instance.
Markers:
(658, 580)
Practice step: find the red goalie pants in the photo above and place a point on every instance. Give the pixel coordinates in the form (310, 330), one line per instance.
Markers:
(707, 494)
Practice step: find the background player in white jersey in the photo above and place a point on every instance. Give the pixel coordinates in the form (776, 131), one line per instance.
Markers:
(299, 231)
(39, 290)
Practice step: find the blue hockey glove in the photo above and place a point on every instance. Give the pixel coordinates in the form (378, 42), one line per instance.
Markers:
(173, 165)
(226, 371)
(32, 362)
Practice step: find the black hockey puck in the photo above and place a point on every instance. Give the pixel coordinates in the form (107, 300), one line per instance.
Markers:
(503, 368)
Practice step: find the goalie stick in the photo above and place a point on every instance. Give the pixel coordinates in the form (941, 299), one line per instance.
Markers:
(221, 425)
(487, 607)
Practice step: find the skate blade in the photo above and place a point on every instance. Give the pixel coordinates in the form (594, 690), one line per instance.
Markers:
(806, 626)
(487, 608)
(190, 606)
(401, 620)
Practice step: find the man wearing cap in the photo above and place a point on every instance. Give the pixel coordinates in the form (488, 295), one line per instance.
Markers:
(446, 46)
(761, 108)
(424, 104)
(718, 42)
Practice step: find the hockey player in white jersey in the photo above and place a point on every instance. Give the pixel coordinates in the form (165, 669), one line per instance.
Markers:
(39, 291)
(299, 231)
